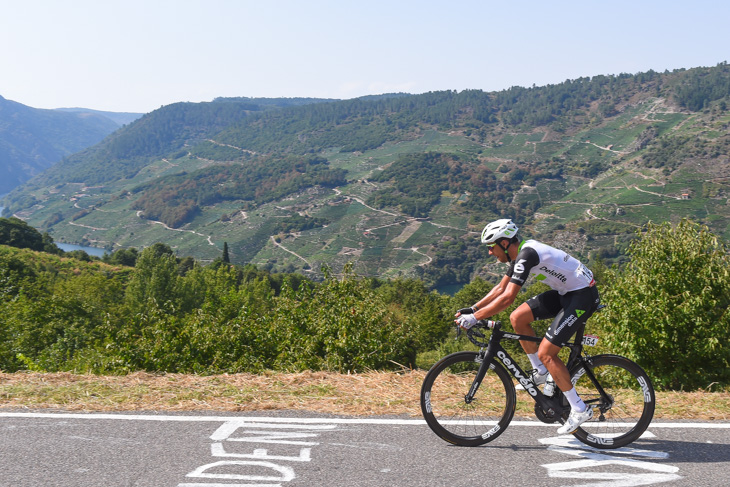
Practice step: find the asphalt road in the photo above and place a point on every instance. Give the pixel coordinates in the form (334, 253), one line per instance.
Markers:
(287, 449)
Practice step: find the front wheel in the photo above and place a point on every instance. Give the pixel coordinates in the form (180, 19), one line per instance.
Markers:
(450, 416)
(623, 412)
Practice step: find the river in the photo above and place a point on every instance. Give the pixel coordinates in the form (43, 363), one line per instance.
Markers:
(95, 251)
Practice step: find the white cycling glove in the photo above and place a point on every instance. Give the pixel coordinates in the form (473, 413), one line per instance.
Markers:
(466, 321)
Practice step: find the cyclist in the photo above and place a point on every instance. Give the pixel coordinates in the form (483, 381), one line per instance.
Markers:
(571, 301)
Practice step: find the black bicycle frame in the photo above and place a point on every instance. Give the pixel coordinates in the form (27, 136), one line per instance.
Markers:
(551, 405)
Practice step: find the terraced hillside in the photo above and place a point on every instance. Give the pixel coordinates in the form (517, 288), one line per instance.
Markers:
(400, 185)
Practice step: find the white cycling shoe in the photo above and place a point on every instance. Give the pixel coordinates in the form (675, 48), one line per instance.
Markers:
(537, 379)
(575, 420)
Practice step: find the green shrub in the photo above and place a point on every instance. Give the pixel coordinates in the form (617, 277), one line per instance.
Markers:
(667, 309)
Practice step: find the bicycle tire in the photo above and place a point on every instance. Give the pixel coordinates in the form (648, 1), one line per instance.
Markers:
(446, 411)
(632, 404)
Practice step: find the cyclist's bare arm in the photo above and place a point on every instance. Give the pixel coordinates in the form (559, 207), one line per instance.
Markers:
(499, 300)
(496, 291)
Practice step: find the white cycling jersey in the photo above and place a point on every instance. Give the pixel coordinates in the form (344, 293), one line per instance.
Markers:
(556, 268)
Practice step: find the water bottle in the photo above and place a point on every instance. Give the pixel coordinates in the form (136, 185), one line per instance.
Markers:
(549, 388)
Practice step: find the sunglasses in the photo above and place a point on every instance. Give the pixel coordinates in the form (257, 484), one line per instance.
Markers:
(494, 244)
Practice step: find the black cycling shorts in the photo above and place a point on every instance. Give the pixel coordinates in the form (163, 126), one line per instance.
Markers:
(570, 311)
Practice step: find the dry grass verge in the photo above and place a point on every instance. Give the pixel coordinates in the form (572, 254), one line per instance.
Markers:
(371, 393)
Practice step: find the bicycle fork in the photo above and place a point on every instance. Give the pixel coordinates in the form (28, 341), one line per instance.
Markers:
(486, 356)
(486, 359)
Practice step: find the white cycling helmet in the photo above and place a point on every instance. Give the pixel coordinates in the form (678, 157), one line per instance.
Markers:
(498, 229)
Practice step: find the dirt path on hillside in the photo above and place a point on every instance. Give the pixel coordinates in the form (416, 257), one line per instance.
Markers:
(359, 200)
(207, 237)
(607, 148)
(277, 244)
(416, 251)
(231, 146)
(86, 226)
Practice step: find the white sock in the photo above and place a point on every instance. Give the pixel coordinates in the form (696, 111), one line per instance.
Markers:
(576, 403)
(537, 363)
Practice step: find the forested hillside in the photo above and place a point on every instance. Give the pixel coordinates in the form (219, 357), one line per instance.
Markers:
(32, 140)
(158, 134)
(399, 184)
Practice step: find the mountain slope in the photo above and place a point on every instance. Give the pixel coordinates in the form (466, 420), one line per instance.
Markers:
(160, 134)
(31, 140)
(401, 184)
(120, 118)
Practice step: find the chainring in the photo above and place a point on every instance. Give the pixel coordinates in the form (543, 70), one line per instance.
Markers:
(550, 416)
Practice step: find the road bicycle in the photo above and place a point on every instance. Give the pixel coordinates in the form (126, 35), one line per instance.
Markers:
(469, 398)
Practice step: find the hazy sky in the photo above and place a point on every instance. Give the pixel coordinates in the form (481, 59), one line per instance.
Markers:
(137, 55)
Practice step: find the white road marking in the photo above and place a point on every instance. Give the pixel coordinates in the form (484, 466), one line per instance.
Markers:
(228, 485)
(249, 466)
(592, 458)
(300, 421)
(244, 463)
(569, 441)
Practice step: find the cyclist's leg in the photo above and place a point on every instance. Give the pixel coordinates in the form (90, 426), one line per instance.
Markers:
(521, 319)
(578, 306)
(580, 412)
(540, 307)
(624, 405)
(548, 354)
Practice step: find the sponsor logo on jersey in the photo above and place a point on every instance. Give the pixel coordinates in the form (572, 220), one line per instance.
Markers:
(557, 275)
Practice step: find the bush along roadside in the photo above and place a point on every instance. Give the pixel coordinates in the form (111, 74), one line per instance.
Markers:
(666, 309)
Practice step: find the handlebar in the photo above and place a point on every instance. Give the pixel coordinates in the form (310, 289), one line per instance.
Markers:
(473, 333)
(489, 324)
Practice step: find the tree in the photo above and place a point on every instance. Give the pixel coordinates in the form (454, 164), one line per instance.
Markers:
(340, 325)
(16, 233)
(127, 257)
(226, 257)
(155, 280)
(668, 308)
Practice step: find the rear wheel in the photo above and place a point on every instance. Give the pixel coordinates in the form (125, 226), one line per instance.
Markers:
(624, 412)
(446, 410)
